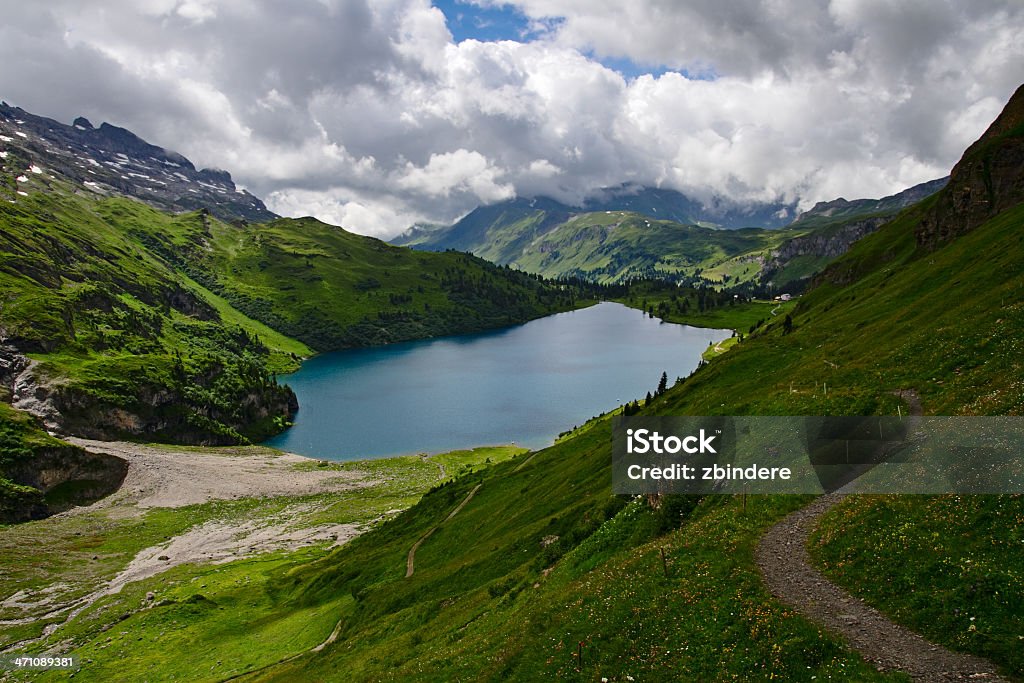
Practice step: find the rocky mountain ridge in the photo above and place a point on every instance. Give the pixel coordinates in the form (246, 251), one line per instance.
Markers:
(987, 180)
(112, 160)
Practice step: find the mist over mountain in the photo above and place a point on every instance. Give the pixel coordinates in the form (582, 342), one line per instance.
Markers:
(632, 232)
(663, 204)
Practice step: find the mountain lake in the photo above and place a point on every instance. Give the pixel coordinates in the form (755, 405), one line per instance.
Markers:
(524, 384)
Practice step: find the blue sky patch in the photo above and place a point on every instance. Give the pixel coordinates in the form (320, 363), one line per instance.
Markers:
(486, 24)
(489, 24)
(627, 67)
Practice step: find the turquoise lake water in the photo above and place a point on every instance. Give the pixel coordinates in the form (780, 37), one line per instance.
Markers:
(522, 384)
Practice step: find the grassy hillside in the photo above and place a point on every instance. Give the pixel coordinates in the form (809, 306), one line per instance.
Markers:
(616, 246)
(949, 566)
(543, 574)
(62, 560)
(332, 289)
(124, 347)
(541, 559)
(944, 323)
(149, 325)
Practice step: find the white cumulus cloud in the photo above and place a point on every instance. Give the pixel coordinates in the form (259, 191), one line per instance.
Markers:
(367, 113)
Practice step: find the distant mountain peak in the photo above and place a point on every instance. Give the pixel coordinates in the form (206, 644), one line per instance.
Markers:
(114, 160)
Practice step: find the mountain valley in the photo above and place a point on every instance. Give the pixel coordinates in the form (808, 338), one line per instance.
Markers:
(163, 321)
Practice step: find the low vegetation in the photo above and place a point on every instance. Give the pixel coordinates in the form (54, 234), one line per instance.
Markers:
(61, 560)
(948, 566)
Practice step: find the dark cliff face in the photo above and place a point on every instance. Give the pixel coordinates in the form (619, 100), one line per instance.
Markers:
(988, 179)
(835, 226)
(824, 245)
(41, 476)
(113, 160)
(64, 476)
(172, 414)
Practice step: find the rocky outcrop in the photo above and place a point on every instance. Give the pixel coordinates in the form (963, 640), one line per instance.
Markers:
(163, 413)
(66, 476)
(829, 244)
(40, 475)
(151, 412)
(12, 364)
(35, 397)
(988, 179)
(19, 387)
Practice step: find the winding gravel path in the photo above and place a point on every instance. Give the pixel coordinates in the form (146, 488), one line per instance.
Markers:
(410, 560)
(785, 564)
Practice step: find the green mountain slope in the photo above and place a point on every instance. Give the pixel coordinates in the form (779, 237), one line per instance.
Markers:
(608, 246)
(333, 289)
(497, 233)
(618, 246)
(543, 574)
(120, 321)
(648, 235)
(498, 230)
(118, 345)
(888, 316)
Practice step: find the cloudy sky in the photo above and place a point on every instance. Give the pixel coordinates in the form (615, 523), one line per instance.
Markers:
(375, 114)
